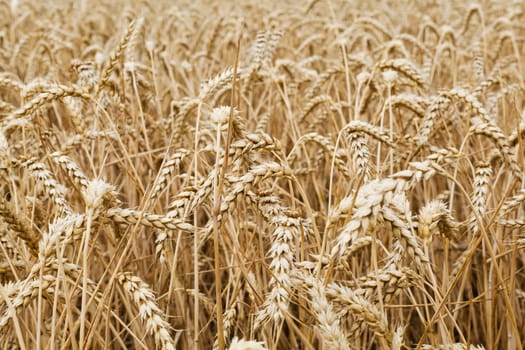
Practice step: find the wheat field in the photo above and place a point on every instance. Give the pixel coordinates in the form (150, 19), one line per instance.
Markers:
(253, 175)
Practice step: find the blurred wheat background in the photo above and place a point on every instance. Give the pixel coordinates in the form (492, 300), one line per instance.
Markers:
(262, 174)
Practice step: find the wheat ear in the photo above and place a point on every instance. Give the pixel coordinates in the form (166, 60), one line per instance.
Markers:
(149, 312)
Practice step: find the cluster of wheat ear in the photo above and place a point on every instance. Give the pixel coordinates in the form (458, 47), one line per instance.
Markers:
(323, 174)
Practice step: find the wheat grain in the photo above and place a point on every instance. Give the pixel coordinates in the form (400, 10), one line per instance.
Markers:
(166, 172)
(365, 311)
(23, 114)
(371, 199)
(500, 140)
(329, 326)
(149, 312)
(327, 147)
(241, 344)
(132, 217)
(434, 218)
(19, 225)
(406, 68)
(287, 229)
(42, 174)
(115, 57)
